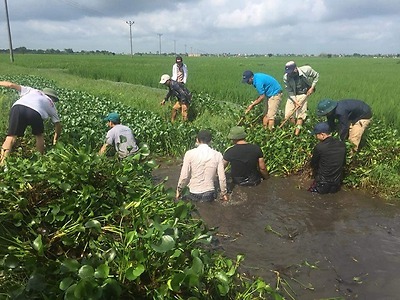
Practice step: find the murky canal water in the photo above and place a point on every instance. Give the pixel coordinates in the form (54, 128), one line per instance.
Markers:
(345, 245)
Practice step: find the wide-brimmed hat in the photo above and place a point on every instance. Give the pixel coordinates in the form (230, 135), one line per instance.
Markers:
(325, 106)
(113, 117)
(51, 93)
(322, 127)
(164, 78)
(237, 133)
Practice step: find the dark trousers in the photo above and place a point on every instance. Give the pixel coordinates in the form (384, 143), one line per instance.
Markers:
(322, 187)
(202, 197)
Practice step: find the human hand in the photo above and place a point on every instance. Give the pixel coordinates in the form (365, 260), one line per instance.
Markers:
(249, 108)
(225, 198)
(162, 102)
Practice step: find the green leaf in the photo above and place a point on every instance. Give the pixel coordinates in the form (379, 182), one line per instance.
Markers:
(65, 187)
(38, 245)
(102, 271)
(66, 283)
(86, 272)
(71, 265)
(167, 243)
(70, 293)
(133, 273)
(10, 261)
(174, 284)
(93, 224)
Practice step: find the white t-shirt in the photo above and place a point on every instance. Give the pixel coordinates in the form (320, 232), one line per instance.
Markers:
(122, 138)
(39, 102)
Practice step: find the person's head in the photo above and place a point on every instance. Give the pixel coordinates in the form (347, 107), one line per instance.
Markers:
(112, 119)
(165, 79)
(247, 77)
(325, 107)
(322, 131)
(237, 133)
(204, 137)
(179, 60)
(51, 93)
(290, 68)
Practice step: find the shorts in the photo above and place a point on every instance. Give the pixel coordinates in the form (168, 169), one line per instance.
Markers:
(300, 113)
(272, 106)
(21, 117)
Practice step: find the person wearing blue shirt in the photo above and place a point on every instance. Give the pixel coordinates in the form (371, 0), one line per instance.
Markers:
(269, 90)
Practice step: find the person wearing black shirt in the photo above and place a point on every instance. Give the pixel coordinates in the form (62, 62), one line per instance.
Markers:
(327, 162)
(183, 95)
(353, 115)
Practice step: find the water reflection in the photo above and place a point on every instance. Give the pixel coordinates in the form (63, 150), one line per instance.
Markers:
(341, 245)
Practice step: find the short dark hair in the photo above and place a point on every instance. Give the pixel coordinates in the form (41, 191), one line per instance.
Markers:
(204, 136)
(179, 58)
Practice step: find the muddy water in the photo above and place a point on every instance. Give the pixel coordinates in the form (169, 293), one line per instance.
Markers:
(345, 245)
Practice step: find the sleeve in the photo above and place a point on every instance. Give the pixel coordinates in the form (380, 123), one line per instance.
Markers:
(315, 159)
(169, 94)
(313, 76)
(185, 173)
(185, 73)
(344, 125)
(221, 175)
(52, 111)
(109, 138)
(174, 72)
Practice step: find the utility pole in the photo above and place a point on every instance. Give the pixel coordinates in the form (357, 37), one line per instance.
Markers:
(174, 46)
(159, 39)
(130, 23)
(9, 32)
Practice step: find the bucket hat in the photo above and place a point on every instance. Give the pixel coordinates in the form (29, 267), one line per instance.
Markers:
(325, 106)
(51, 93)
(237, 133)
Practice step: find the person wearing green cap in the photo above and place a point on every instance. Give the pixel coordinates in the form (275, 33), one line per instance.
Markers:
(246, 160)
(30, 109)
(119, 136)
(353, 118)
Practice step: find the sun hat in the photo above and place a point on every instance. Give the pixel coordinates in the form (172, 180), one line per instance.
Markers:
(237, 133)
(325, 106)
(51, 93)
(247, 75)
(165, 78)
(322, 127)
(290, 67)
(113, 117)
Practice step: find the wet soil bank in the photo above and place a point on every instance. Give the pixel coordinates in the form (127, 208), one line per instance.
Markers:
(345, 245)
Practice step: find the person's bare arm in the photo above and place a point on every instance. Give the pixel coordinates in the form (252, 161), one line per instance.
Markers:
(57, 132)
(10, 85)
(263, 168)
(103, 149)
(255, 102)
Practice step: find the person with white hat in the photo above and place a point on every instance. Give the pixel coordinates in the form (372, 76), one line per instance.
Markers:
(299, 83)
(30, 109)
(183, 95)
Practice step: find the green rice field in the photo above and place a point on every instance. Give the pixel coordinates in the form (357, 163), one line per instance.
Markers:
(373, 80)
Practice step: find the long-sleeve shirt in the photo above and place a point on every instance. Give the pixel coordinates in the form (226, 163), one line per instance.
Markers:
(307, 78)
(328, 160)
(200, 169)
(178, 90)
(348, 111)
(179, 74)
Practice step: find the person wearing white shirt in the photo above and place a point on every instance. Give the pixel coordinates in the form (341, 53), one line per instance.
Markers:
(30, 109)
(179, 71)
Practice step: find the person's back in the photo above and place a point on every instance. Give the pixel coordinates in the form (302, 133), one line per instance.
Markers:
(266, 84)
(123, 140)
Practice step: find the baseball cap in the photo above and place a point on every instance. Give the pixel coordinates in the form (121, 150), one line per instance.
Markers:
(322, 127)
(247, 75)
(51, 93)
(113, 117)
(290, 67)
(165, 78)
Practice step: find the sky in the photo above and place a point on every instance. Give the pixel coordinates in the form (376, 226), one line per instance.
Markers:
(205, 26)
